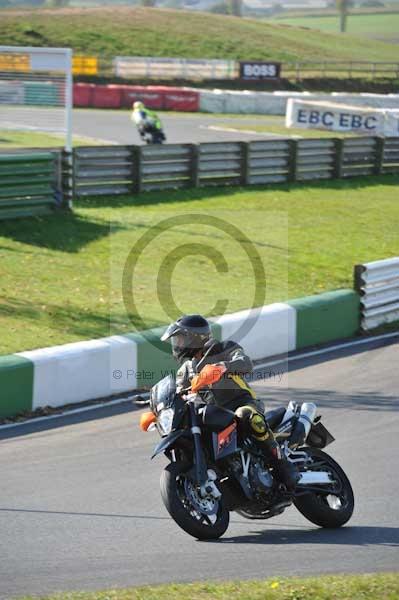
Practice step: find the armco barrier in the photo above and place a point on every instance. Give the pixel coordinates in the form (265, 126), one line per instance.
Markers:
(378, 285)
(99, 368)
(102, 170)
(128, 169)
(169, 163)
(42, 93)
(326, 317)
(30, 183)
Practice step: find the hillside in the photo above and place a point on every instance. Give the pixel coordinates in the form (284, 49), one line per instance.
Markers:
(112, 31)
(382, 26)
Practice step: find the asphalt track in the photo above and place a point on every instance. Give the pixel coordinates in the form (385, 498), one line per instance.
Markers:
(116, 127)
(80, 507)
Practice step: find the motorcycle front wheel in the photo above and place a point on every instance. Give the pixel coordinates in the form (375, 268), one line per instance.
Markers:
(327, 510)
(203, 518)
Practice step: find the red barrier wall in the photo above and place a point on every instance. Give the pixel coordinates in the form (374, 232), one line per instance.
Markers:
(153, 96)
(107, 96)
(150, 97)
(82, 94)
(182, 100)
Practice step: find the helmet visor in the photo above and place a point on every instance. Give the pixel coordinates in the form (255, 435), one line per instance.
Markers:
(179, 342)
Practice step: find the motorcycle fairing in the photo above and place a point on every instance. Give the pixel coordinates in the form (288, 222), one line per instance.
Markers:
(168, 441)
(225, 441)
(319, 436)
(217, 418)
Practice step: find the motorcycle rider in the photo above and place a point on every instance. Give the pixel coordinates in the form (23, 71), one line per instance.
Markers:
(193, 348)
(147, 121)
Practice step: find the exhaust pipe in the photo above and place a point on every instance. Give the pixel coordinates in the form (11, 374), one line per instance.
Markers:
(314, 478)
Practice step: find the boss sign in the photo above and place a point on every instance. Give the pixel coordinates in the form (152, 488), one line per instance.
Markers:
(259, 70)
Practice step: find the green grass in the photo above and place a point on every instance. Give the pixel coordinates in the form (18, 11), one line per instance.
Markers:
(29, 139)
(384, 586)
(112, 31)
(280, 129)
(60, 276)
(383, 26)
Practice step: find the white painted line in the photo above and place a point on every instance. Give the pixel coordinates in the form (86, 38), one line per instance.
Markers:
(329, 349)
(256, 367)
(246, 131)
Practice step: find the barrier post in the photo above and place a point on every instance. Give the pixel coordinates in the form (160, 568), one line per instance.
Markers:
(292, 160)
(379, 155)
(194, 165)
(338, 155)
(245, 147)
(136, 168)
(67, 179)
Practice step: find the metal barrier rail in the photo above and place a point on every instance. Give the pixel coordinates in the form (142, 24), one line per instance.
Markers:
(350, 69)
(35, 182)
(378, 285)
(132, 169)
(102, 170)
(30, 183)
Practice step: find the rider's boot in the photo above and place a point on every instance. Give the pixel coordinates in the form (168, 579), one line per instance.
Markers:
(285, 471)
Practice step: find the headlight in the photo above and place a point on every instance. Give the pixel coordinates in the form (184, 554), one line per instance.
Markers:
(165, 419)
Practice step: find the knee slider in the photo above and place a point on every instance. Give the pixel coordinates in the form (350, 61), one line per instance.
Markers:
(258, 426)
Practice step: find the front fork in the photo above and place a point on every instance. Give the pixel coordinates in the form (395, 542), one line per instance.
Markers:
(202, 477)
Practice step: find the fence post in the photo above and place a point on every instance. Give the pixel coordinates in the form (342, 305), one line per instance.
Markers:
(245, 170)
(338, 157)
(379, 155)
(136, 168)
(67, 178)
(292, 160)
(194, 165)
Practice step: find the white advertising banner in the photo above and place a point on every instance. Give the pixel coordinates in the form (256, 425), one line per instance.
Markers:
(391, 128)
(334, 117)
(275, 103)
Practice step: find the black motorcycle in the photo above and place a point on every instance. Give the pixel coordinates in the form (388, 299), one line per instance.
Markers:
(151, 134)
(215, 469)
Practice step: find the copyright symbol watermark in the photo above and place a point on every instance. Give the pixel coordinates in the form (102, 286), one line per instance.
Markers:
(223, 241)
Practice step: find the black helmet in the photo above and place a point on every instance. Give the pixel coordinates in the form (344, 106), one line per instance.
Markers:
(188, 335)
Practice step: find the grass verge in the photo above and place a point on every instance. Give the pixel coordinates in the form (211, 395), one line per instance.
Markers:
(330, 587)
(61, 275)
(283, 131)
(29, 139)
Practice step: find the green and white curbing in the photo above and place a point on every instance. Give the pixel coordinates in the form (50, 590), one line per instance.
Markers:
(94, 369)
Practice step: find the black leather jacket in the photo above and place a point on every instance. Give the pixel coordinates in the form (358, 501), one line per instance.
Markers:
(233, 389)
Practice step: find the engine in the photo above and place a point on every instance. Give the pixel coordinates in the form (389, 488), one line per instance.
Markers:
(260, 478)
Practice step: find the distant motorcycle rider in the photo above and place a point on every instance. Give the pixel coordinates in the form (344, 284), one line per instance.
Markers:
(147, 121)
(193, 348)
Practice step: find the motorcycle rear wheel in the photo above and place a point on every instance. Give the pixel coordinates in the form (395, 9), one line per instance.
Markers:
(332, 510)
(186, 511)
